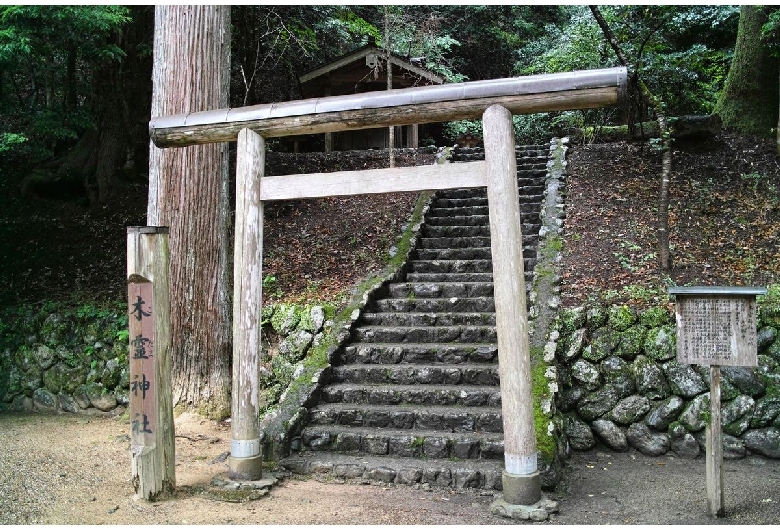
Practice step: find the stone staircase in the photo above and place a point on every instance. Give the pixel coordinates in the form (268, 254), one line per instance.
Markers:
(414, 397)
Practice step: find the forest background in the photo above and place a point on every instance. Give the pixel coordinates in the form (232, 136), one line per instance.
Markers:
(76, 98)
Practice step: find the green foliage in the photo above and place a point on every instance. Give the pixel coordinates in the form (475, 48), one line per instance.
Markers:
(47, 56)
(681, 52)
(454, 129)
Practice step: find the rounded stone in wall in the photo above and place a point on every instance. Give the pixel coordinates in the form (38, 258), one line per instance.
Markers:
(683, 379)
(767, 409)
(647, 442)
(45, 356)
(610, 434)
(603, 342)
(765, 337)
(665, 413)
(735, 415)
(45, 401)
(746, 379)
(631, 342)
(660, 343)
(696, 413)
(68, 404)
(630, 409)
(579, 434)
(596, 404)
(650, 380)
(733, 447)
(569, 397)
(764, 441)
(618, 373)
(100, 399)
(586, 373)
(81, 398)
(62, 378)
(686, 446)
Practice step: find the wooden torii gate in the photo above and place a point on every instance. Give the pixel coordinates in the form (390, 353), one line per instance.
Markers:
(494, 101)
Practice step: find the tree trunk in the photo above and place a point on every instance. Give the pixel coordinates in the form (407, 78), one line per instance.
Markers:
(120, 103)
(188, 191)
(749, 101)
(391, 129)
(664, 260)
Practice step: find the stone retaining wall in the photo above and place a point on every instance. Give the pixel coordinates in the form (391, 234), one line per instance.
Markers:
(621, 386)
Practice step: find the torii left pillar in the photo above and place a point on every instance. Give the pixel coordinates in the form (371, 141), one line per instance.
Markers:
(246, 459)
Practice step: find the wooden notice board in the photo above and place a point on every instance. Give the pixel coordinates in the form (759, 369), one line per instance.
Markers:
(716, 325)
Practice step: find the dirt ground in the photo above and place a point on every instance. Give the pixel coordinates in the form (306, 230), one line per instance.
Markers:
(68, 469)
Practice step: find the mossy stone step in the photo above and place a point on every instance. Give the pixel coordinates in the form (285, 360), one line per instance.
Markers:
(392, 394)
(403, 443)
(392, 353)
(482, 304)
(423, 334)
(423, 374)
(429, 319)
(455, 473)
(440, 290)
(418, 418)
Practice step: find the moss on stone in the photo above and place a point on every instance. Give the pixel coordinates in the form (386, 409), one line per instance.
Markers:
(621, 317)
(545, 442)
(655, 317)
(631, 342)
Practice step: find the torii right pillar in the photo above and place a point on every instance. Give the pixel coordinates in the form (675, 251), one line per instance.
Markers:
(521, 482)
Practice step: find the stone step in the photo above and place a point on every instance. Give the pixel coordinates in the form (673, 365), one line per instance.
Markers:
(469, 242)
(483, 304)
(429, 319)
(457, 220)
(425, 334)
(461, 254)
(392, 353)
(464, 266)
(420, 418)
(473, 220)
(472, 231)
(527, 208)
(424, 374)
(441, 277)
(426, 254)
(451, 265)
(463, 202)
(453, 474)
(440, 290)
(441, 211)
(447, 395)
(403, 443)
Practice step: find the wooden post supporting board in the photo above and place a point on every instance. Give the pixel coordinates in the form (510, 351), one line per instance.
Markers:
(245, 461)
(716, 326)
(151, 403)
(521, 482)
(714, 449)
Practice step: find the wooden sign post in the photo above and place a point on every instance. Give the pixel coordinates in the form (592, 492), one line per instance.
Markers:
(716, 326)
(151, 409)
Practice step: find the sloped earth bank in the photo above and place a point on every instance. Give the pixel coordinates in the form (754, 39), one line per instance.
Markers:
(76, 470)
(724, 219)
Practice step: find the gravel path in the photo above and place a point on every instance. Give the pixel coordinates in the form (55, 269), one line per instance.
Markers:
(69, 469)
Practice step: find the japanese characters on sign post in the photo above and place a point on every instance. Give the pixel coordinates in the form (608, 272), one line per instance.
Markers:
(143, 409)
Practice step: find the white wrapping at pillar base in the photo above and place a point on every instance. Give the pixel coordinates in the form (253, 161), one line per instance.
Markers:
(520, 464)
(245, 448)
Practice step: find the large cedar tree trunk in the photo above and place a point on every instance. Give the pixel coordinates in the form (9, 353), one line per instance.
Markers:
(188, 191)
(749, 101)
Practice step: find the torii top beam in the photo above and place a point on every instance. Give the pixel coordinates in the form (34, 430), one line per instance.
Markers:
(439, 103)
